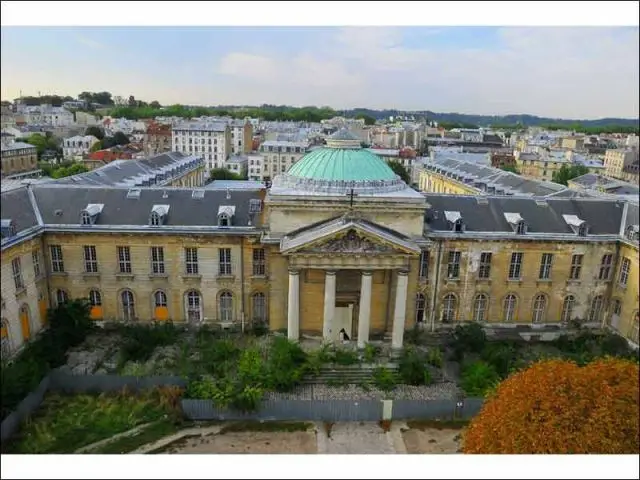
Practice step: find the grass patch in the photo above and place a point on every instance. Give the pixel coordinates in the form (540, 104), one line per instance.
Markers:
(254, 426)
(64, 424)
(130, 443)
(437, 424)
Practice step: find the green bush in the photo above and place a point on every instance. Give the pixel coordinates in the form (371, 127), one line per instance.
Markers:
(247, 398)
(478, 378)
(384, 379)
(141, 340)
(434, 357)
(502, 356)
(346, 357)
(251, 369)
(286, 365)
(412, 368)
(260, 329)
(370, 353)
(221, 393)
(469, 338)
(69, 325)
(614, 345)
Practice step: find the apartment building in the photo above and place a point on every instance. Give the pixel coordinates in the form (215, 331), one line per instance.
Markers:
(618, 161)
(78, 146)
(209, 141)
(279, 156)
(157, 139)
(19, 160)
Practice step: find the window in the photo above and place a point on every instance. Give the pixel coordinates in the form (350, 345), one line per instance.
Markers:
(624, 272)
(605, 267)
(509, 308)
(17, 274)
(86, 218)
(545, 266)
(128, 305)
(155, 219)
(449, 308)
(223, 220)
(194, 307)
(616, 307)
(226, 307)
(539, 308)
(35, 257)
(567, 308)
(420, 307)
(57, 263)
(191, 260)
(480, 305)
(521, 228)
(485, 265)
(6, 343)
(453, 266)
(597, 309)
(124, 259)
(90, 259)
(423, 271)
(258, 262)
(159, 299)
(515, 268)
(157, 260)
(259, 307)
(62, 296)
(224, 264)
(576, 267)
(95, 299)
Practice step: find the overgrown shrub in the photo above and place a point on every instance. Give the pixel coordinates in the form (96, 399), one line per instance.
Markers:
(478, 378)
(345, 357)
(502, 356)
(557, 407)
(285, 365)
(412, 367)
(384, 379)
(247, 398)
(434, 357)
(141, 340)
(370, 353)
(260, 329)
(251, 368)
(469, 338)
(69, 325)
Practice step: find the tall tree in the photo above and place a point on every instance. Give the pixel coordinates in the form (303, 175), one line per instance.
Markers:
(567, 173)
(132, 101)
(155, 104)
(400, 170)
(95, 131)
(368, 119)
(224, 174)
(120, 138)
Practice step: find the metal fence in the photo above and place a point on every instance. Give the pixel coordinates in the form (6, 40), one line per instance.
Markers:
(65, 382)
(25, 408)
(338, 410)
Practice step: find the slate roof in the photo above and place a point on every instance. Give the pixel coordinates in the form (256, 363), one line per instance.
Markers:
(542, 216)
(17, 207)
(63, 204)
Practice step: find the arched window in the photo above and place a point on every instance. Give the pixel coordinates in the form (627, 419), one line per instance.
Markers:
(449, 308)
(223, 220)
(4, 337)
(194, 307)
(509, 308)
(85, 218)
(567, 308)
(154, 219)
(420, 307)
(521, 228)
(597, 309)
(95, 299)
(539, 308)
(259, 307)
(226, 307)
(61, 296)
(128, 305)
(480, 306)
(159, 299)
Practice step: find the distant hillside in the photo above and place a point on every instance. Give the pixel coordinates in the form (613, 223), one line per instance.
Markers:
(487, 120)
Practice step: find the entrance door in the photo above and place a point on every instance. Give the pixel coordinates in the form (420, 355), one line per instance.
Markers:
(24, 323)
(343, 319)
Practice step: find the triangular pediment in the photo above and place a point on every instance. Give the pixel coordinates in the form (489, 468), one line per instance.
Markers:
(348, 237)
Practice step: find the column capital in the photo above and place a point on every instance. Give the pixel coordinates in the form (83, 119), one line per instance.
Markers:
(403, 272)
(294, 271)
(367, 273)
(330, 272)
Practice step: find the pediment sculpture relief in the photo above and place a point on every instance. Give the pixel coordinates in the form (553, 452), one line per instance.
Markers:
(351, 243)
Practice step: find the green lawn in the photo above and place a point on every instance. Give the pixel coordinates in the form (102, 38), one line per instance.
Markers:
(64, 424)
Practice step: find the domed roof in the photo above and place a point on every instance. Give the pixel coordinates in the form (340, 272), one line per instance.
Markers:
(341, 166)
(335, 164)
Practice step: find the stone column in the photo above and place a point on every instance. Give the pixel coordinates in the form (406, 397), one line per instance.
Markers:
(364, 317)
(293, 319)
(329, 305)
(400, 310)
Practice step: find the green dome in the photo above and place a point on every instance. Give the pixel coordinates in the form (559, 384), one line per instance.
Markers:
(337, 164)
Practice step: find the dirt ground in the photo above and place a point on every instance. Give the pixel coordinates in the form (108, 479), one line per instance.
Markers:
(431, 440)
(249, 442)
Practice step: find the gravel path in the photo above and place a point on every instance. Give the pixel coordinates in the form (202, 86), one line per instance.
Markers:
(438, 391)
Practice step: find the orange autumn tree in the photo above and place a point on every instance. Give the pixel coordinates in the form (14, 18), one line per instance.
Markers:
(557, 407)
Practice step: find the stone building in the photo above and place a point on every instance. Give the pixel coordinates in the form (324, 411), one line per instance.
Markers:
(337, 243)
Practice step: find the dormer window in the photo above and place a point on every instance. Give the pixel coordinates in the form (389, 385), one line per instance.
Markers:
(583, 230)
(89, 215)
(8, 228)
(578, 225)
(158, 215)
(517, 223)
(454, 219)
(225, 215)
(633, 233)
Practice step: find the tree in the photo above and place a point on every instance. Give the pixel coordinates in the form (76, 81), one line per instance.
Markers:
(72, 169)
(567, 173)
(400, 170)
(95, 131)
(5, 103)
(132, 101)
(368, 119)
(96, 146)
(155, 104)
(510, 168)
(223, 174)
(557, 407)
(120, 138)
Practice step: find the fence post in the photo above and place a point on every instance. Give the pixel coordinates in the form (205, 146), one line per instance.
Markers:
(387, 409)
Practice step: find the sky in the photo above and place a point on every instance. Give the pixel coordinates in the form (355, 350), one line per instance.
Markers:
(560, 72)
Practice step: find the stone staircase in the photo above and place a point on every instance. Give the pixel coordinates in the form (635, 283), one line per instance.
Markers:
(346, 374)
